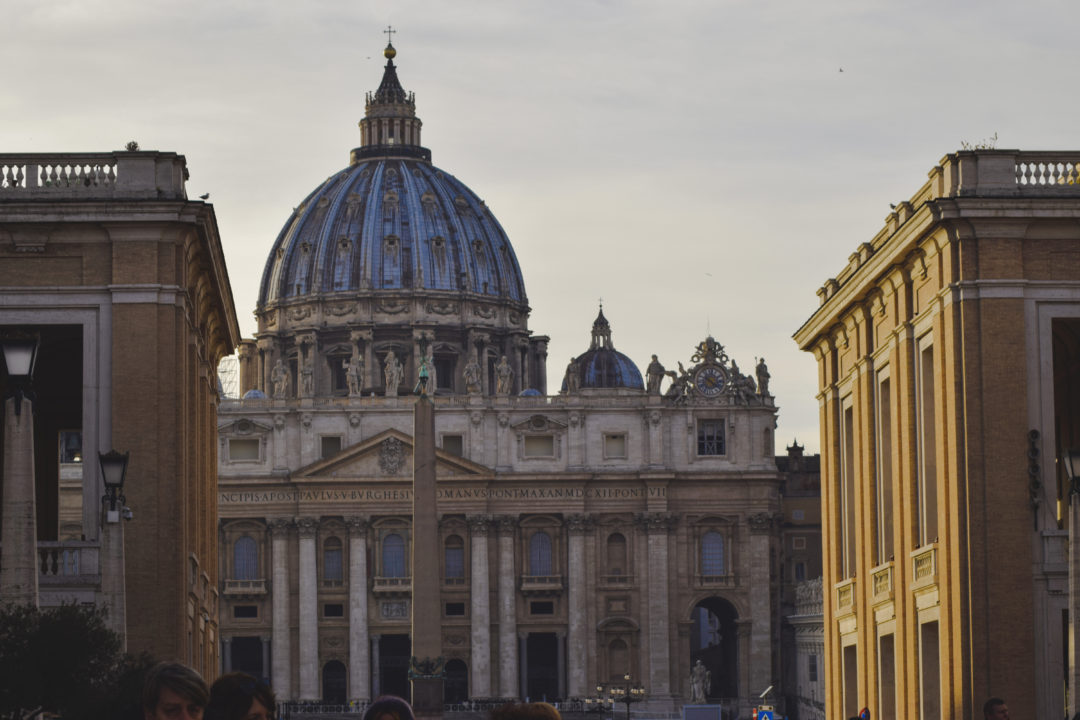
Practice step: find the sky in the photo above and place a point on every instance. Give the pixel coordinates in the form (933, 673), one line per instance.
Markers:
(703, 167)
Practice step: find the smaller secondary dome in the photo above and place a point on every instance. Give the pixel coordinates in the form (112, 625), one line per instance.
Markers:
(254, 394)
(602, 366)
(529, 392)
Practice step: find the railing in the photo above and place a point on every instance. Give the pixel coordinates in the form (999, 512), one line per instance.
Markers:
(331, 584)
(881, 581)
(541, 584)
(924, 565)
(394, 585)
(845, 595)
(245, 587)
(617, 579)
(1033, 170)
(454, 581)
(92, 175)
(716, 580)
(68, 559)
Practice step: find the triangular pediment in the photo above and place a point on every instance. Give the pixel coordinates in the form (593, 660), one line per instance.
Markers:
(243, 426)
(387, 455)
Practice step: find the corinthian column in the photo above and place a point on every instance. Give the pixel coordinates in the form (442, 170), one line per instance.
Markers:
(657, 527)
(508, 640)
(359, 642)
(281, 672)
(309, 611)
(576, 654)
(480, 596)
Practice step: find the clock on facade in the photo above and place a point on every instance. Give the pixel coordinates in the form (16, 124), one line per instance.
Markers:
(709, 381)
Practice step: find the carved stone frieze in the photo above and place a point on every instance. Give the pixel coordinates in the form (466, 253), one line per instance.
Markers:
(579, 524)
(479, 524)
(507, 524)
(391, 307)
(358, 526)
(442, 307)
(391, 456)
(279, 526)
(307, 527)
(340, 309)
(297, 314)
(484, 311)
(760, 522)
(657, 522)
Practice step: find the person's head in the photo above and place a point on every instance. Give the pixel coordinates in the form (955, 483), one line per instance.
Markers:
(995, 709)
(174, 692)
(526, 711)
(239, 696)
(389, 707)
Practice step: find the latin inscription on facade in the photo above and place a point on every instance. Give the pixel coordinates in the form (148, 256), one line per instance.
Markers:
(445, 494)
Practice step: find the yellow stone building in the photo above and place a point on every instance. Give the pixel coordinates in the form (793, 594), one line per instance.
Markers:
(104, 258)
(946, 350)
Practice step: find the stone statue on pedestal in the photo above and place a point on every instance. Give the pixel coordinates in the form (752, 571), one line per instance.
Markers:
(279, 376)
(354, 372)
(654, 374)
(762, 377)
(573, 376)
(393, 374)
(700, 683)
(504, 377)
(472, 376)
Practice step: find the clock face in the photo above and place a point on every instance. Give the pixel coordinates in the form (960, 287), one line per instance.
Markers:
(709, 381)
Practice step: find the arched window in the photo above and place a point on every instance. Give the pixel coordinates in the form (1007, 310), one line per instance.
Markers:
(616, 554)
(800, 571)
(332, 559)
(455, 557)
(456, 684)
(333, 679)
(712, 554)
(393, 556)
(540, 554)
(245, 559)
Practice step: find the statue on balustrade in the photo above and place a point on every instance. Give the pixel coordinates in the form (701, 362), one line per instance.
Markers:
(472, 376)
(279, 376)
(393, 374)
(504, 377)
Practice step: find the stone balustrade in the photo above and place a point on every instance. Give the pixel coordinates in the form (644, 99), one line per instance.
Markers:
(67, 560)
(92, 176)
(245, 587)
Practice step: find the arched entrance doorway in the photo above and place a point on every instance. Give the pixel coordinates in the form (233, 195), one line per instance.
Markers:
(456, 684)
(714, 641)
(333, 683)
(394, 651)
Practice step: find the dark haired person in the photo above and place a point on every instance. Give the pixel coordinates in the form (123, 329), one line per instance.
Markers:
(174, 692)
(239, 696)
(526, 711)
(389, 707)
(995, 709)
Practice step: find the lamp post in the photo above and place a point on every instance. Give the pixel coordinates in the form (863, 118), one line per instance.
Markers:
(628, 693)
(113, 471)
(18, 554)
(1071, 460)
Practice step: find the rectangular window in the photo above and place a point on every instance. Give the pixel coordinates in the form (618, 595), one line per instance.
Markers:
(887, 677)
(333, 610)
(798, 515)
(70, 446)
(454, 444)
(539, 446)
(339, 375)
(455, 561)
(330, 445)
(929, 671)
(812, 667)
(455, 609)
(927, 442)
(851, 681)
(884, 469)
(245, 611)
(798, 543)
(243, 449)
(541, 607)
(614, 446)
(710, 437)
(847, 488)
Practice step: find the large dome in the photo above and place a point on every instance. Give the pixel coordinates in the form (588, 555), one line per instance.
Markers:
(391, 221)
(387, 257)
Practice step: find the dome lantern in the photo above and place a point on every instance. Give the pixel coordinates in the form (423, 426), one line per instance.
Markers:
(390, 126)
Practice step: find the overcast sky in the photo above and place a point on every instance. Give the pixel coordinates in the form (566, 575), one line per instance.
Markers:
(701, 166)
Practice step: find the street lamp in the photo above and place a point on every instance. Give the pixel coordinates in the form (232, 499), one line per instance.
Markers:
(20, 354)
(113, 469)
(18, 554)
(1071, 461)
(629, 693)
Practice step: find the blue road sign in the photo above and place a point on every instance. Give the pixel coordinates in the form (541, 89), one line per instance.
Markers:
(765, 715)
